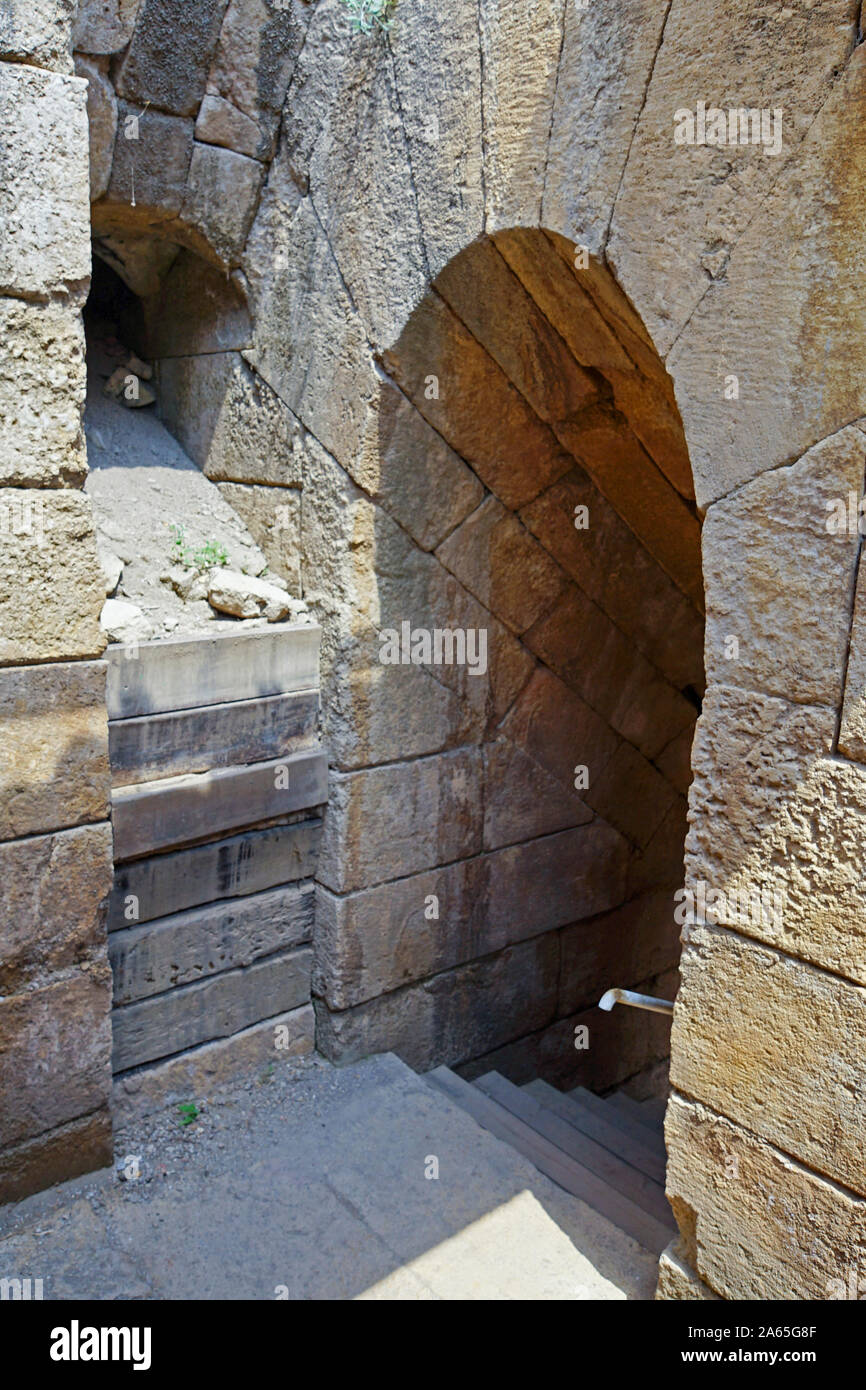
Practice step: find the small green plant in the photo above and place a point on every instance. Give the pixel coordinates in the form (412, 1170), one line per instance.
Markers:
(368, 15)
(187, 1114)
(205, 558)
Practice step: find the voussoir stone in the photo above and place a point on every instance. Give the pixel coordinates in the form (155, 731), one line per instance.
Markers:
(102, 120)
(168, 59)
(104, 26)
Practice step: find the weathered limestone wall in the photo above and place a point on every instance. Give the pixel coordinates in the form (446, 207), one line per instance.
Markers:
(55, 981)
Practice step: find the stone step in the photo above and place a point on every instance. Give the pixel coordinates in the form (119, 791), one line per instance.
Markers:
(174, 1022)
(651, 1136)
(190, 946)
(630, 1148)
(155, 746)
(633, 1110)
(636, 1186)
(147, 889)
(162, 815)
(182, 673)
(553, 1162)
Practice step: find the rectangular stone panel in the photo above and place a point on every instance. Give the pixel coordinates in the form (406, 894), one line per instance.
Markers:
(452, 1016)
(387, 822)
(40, 877)
(182, 673)
(180, 810)
(54, 1053)
(197, 740)
(81, 1146)
(54, 768)
(242, 864)
(190, 946)
(775, 1045)
(217, 1008)
(805, 1236)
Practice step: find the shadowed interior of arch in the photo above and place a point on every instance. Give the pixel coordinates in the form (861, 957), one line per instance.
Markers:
(561, 522)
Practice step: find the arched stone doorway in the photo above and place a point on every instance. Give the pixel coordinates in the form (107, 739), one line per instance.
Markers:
(506, 828)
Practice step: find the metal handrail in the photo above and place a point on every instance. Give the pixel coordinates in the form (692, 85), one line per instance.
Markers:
(637, 1001)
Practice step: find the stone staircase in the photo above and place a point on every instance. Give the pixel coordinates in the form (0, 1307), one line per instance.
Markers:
(609, 1153)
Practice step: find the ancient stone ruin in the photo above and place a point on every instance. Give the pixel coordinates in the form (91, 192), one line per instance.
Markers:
(433, 443)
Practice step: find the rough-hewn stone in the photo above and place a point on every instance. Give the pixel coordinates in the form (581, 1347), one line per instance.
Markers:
(41, 395)
(38, 32)
(151, 167)
(772, 811)
(757, 1037)
(170, 53)
(221, 198)
(257, 50)
(102, 120)
(52, 895)
(44, 204)
(852, 731)
(678, 1282)
(58, 1038)
(806, 1237)
(104, 26)
(51, 585)
(780, 582)
(55, 733)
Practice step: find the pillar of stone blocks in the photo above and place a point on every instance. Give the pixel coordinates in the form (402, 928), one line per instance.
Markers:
(55, 838)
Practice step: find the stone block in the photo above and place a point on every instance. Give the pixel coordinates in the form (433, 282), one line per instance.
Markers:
(559, 730)
(51, 586)
(220, 123)
(198, 309)
(273, 519)
(198, 1072)
(387, 822)
(45, 203)
(522, 800)
(152, 156)
(42, 386)
(852, 731)
(40, 877)
(184, 673)
(198, 740)
(168, 59)
(772, 812)
(189, 946)
(733, 1191)
(631, 795)
(776, 1046)
(55, 770)
(436, 53)
(82, 1146)
(520, 51)
(779, 581)
(54, 1058)
(104, 26)
(221, 198)
(161, 815)
(635, 942)
(153, 1029)
(101, 119)
(229, 420)
(501, 563)
(678, 1281)
(38, 32)
(452, 1016)
(232, 868)
(602, 77)
(608, 562)
(465, 395)
(701, 199)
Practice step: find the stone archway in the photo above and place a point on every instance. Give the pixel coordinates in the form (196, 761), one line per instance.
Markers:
(506, 837)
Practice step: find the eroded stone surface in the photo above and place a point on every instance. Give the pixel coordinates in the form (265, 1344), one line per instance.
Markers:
(41, 395)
